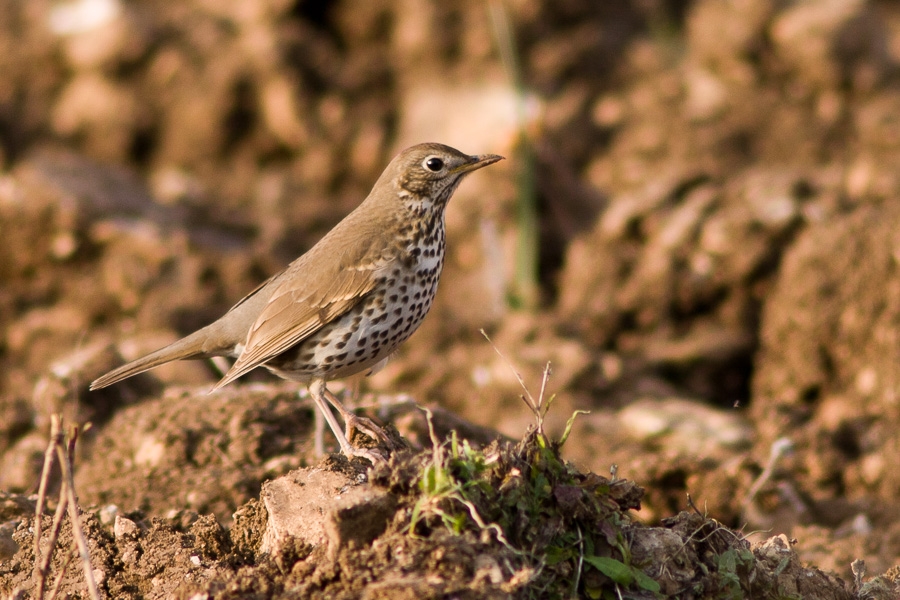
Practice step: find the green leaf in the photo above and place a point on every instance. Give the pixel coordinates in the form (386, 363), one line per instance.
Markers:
(612, 568)
(594, 593)
(414, 519)
(782, 565)
(541, 483)
(569, 424)
(644, 581)
(429, 480)
(555, 555)
(457, 522)
(548, 403)
(727, 561)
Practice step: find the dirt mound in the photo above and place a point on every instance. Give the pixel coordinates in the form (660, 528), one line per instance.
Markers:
(505, 522)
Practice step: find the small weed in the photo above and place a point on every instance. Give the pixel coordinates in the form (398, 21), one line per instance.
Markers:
(561, 526)
(731, 565)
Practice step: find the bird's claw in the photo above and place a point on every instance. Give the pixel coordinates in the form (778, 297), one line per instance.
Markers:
(373, 455)
(352, 424)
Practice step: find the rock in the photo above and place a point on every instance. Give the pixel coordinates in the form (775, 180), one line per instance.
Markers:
(20, 465)
(358, 517)
(660, 546)
(13, 509)
(318, 507)
(8, 546)
(124, 527)
(686, 427)
(14, 506)
(778, 563)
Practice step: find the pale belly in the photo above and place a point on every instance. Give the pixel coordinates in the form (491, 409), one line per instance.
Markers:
(365, 336)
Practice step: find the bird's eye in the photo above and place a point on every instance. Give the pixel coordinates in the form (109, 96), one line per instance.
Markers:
(433, 164)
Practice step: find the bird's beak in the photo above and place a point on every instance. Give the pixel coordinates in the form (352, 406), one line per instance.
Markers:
(477, 162)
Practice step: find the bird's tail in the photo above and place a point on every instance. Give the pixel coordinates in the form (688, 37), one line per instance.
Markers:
(187, 347)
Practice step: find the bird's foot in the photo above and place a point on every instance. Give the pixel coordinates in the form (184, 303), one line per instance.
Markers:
(373, 455)
(352, 424)
(384, 444)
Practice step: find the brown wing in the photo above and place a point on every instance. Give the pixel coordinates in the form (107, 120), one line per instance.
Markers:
(304, 301)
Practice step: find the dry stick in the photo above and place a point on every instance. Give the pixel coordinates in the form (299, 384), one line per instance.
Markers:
(690, 502)
(544, 379)
(580, 562)
(40, 574)
(529, 400)
(61, 505)
(62, 573)
(535, 406)
(779, 448)
(70, 446)
(74, 518)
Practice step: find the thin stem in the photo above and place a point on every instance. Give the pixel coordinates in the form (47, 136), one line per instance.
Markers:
(75, 518)
(40, 574)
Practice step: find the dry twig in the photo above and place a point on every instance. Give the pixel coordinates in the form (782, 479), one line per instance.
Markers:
(40, 570)
(63, 450)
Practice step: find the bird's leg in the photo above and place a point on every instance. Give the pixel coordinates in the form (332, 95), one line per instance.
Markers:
(319, 432)
(318, 391)
(353, 422)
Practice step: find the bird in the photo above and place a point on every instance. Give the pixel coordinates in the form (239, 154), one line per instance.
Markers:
(345, 305)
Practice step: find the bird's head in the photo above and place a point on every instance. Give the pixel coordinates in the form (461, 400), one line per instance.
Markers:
(432, 172)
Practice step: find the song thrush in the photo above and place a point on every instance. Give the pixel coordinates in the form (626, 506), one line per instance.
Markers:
(344, 306)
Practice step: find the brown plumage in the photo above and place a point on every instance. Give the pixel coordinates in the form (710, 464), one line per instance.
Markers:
(344, 306)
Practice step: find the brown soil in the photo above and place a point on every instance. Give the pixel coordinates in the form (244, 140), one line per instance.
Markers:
(717, 279)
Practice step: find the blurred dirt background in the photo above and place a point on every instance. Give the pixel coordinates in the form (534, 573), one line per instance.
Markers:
(716, 249)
